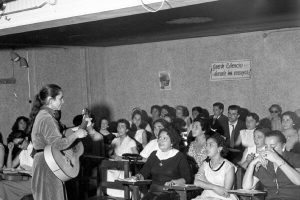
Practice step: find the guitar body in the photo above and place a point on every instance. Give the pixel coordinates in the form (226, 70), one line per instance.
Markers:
(64, 164)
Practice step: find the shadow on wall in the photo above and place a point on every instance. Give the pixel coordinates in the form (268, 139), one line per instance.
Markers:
(99, 111)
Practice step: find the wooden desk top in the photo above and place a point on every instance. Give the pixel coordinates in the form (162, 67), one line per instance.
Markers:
(248, 193)
(185, 187)
(135, 183)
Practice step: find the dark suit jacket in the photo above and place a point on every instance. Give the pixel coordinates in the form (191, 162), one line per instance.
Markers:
(234, 156)
(236, 132)
(220, 124)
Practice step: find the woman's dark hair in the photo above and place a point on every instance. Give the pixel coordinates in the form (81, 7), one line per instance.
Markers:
(254, 116)
(198, 109)
(41, 99)
(103, 118)
(185, 111)
(174, 137)
(163, 122)
(15, 127)
(265, 123)
(204, 122)
(157, 107)
(278, 134)
(220, 140)
(166, 107)
(294, 117)
(265, 131)
(16, 134)
(124, 121)
(278, 107)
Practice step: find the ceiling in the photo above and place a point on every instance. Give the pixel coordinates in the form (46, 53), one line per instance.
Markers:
(201, 20)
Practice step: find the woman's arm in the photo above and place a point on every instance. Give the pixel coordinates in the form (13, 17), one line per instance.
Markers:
(249, 181)
(134, 150)
(52, 135)
(96, 136)
(144, 138)
(229, 178)
(9, 157)
(201, 181)
(238, 141)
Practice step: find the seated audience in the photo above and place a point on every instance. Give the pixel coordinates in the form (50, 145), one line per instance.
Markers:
(2, 152)
(107, 136)
(275, 116)
(165, 109)
(153, 144)
(167, 166)
(22, 124)
(276, 169)
(16, 190)
(216, 176)
(119, 146)
(155, 113)
(292, 141)
(251, 152)
(232, 131)
(197, 148)
(123, 143)
(218, 121)
(182, 112)
(245, 137)
(137, 130)
(195, 112)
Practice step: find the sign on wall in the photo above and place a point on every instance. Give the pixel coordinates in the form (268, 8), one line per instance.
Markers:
(164, 80)
(230, 70)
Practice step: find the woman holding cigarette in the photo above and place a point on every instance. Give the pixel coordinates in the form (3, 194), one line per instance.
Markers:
(277, 169)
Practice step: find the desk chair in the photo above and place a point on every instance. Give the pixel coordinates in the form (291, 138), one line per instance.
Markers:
(104, 184)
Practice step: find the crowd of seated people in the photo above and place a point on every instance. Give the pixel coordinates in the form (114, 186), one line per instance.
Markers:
(242, 135)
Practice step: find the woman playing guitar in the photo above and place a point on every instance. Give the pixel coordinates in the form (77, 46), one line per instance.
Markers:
(45, 131)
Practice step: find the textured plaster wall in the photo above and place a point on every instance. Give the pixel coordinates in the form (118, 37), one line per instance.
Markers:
(63, 66)
(131, 72)
(113, 80)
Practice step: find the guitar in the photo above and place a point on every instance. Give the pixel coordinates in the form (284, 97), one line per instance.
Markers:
(65, 164)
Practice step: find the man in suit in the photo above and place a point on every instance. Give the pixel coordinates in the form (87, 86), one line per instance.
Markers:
(232, 131)
(218, 121)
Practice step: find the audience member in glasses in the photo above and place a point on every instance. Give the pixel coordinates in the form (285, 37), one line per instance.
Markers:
(277, 170)
(153, 144)
(232, 131)
(218, 121)
(16, 190)
(275, 116)
(167, 166)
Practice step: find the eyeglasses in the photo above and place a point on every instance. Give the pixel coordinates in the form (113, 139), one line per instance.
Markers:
(274, 111)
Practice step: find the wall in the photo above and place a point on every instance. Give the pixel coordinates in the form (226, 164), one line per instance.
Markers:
(63, 66)
(113, 80)
(131, 72)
